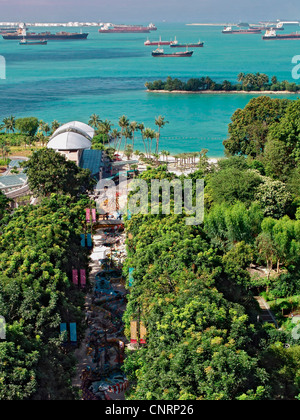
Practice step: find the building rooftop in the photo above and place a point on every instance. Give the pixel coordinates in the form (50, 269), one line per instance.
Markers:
(12, 181)
(69, 140)
(123, 163)
(92, 160)
(72, 136)
(76, 125)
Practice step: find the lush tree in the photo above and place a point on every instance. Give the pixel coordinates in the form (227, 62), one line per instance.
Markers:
(27, 126)
(288, 132)
(36, 295)
(50, 172)
(249, 127)
(4, 202)
(274, 198)
(232, 184)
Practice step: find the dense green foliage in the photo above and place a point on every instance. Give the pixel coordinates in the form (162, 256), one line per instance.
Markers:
(39, 247)
(50, 172)
(249, 127)
(267, 132)
(36, 295)
(27, 126)
(246, 82)
(4, 201)
(194, 291)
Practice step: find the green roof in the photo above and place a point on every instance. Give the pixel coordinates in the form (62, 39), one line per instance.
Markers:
(12, 181)
(92, 160)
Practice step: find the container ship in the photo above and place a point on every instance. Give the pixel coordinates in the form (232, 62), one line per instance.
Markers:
(160, 42)
(160, 53)
(109, 28)
(229, 30)
(22, 33)
(272, 34)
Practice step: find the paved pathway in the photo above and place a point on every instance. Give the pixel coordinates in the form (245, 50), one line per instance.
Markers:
(266, 314)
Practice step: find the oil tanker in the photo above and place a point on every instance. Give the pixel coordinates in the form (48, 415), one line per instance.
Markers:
(110, 28)
(271, 34)
(22, 33)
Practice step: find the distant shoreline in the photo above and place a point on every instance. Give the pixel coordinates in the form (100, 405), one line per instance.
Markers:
(233, 92)
(210, 24)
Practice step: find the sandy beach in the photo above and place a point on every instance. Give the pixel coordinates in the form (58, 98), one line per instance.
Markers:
(171, 162)
(225, 92)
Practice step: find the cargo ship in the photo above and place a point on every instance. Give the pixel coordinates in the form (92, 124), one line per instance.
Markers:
(26, 42)
(272, 34)
(110, 28)
(22, 33)
(229, 30)
(160, 42)
(5, 30)
(160, 53)
(176, 44)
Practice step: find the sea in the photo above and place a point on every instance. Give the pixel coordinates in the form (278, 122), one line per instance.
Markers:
(106, 75)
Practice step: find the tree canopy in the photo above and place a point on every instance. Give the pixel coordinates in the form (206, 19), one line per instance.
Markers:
(50, 172)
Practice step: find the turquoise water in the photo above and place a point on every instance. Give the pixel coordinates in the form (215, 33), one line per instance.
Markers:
(106, 75)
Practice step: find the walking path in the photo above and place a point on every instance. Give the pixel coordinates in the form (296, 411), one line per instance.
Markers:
(266, 314)
(101, 354)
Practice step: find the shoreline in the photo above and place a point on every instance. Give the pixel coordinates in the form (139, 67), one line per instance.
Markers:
(226, 92)
(171, 162)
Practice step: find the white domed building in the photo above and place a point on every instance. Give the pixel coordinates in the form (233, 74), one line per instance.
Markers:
(71, 139)
(74, 141)
(77, 125)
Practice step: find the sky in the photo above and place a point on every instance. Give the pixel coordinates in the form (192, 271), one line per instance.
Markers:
(132, 11)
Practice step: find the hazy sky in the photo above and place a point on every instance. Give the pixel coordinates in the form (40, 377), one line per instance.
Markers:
(128, 11)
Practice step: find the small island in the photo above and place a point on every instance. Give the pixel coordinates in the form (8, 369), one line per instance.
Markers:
(246, 83)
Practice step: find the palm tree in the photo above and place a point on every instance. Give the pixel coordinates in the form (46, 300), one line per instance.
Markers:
(149, 134)
(104, 127)
(41, 138)
(156, 156)
(163, 153)
(55, 125)
(94, 120)
(9, 124)
(128, 135)
(128, 151)
(241, 77)
(160, 122)
(167, 153)
(133, 127)
(123, 123)
(41, 126)
(116, 135)
(47, 129)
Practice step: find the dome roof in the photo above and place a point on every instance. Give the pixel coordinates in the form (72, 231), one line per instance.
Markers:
(76, 125)
(70, 140)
